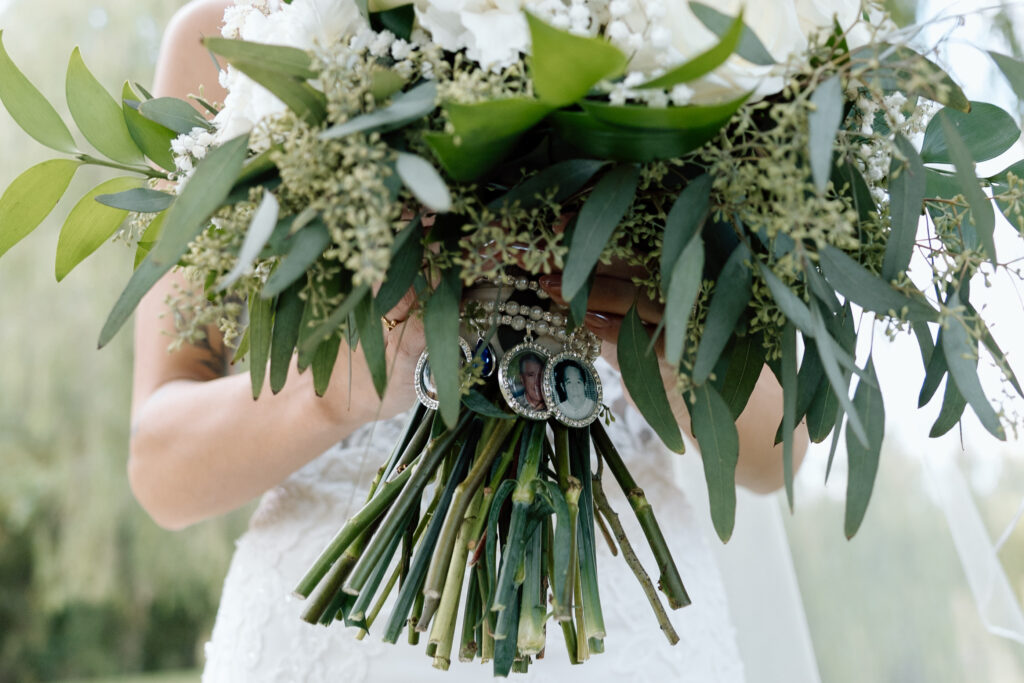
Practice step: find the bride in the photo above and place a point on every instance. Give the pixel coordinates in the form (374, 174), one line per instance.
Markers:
(201, 446)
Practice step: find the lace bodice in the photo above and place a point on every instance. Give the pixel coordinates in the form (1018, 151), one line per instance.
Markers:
(259, 636)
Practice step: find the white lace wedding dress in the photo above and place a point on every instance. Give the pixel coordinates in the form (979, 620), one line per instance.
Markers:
(259, 636)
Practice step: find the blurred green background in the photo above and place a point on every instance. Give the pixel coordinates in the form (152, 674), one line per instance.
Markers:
(90, 587)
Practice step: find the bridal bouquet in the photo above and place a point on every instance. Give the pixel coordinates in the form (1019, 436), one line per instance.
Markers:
(763, 169)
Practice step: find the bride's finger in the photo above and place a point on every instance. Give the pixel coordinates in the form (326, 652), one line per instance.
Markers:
(609, 295)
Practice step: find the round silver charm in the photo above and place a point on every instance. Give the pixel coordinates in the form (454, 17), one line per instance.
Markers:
(572, 389)
(520, 377)
(426, 390)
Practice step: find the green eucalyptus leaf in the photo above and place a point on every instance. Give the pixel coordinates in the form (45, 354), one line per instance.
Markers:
(744, 369)
(990, 343)
(261, 226)
(137, 199)
(564, 67)
(692, 117)
(716, 434)
(89, 225)
(404, 108)
(953, 405)
(923, 335)
(1013, 69)
(261, 326)
(605, 141)
(324, 358)
(406, 258)
(750, 46)
(371, 339)
(566, 177)
(287, 318)
(311, 341)
(642, 377)
(425, 183)
(151, 137)
(308, 103)
(683, 288)
(705, 62)
(863, 457)
(481, 405)
(893, 68)
(31, 197)
(808, 381)
(823, 411)
(604, 209)
(848, 180)
(728, 302)
(907, 186)
(290, 61)
(441, 327)
(29, 109)
(823, 123)
(828, 352)
(174, 114)
(203, 194)
(787, 300)
(862, 287)
(987, 131)
(304, 248)
(982, 215)
(933, 374)
(789, 396)
(97, 114)
(684, 220)
(961, 357)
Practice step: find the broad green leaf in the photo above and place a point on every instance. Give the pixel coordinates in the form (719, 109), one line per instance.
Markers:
(787, 300)
(324, 358)
(425, 183)
(290, 61)
(933, 374)
(384, 83)
(152, 138)
(137, 199)
(750, 46)
(789, 396)
(906, 193)
(705, 62)
(961, 357)
(986, 132)
(862, 287)
(261, 325)
(97, 115)
(441, 327)
(287, 318)
(716, 434)
(863, 458)
(566, 177)
(30, 109)
(642, 377)
(744, 369)
(822, 123)
(605, 141)
(399, 20)
(404, 108)
(31, 198)
(305, 247)
(1013, 69)
(406, 258)
(148, 239)
(206, 189)
(564, 67)
(604, 209)
(684, 285)
(728, 302)
(823, 411)
(371, 339)
(263, 222)
(982, 215)
(953, 405)
(692, 117)
(828, 351)
(89, 225)
(173, 114)
(465, 165)
(684, 220)
(898, 68)
(308, 103)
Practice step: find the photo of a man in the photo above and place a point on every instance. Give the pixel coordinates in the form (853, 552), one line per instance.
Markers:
(531, 372)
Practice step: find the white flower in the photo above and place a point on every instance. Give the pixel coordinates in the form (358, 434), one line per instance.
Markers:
(492, 32)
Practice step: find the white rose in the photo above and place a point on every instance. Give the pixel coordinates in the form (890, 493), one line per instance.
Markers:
(492, 32)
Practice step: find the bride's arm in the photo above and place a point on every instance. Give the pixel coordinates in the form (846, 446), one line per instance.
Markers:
(200, 444)
(759, 467)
